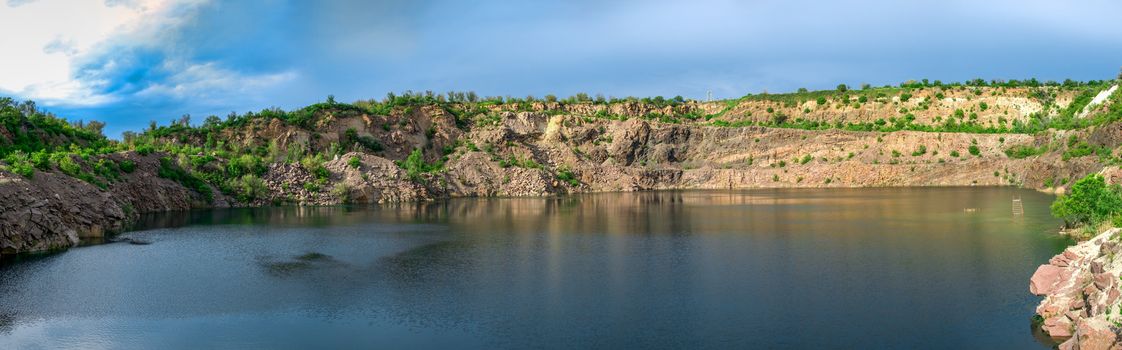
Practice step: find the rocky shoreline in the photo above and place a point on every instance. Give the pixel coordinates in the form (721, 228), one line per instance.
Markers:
(526, 154)
(1082, 306)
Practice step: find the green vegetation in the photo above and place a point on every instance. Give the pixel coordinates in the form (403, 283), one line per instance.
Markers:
(172, 171)
(564, 174)
(415, 165)
(218, 154)
(515, 161)
(921, 150)
(1023, 151)
(1089, 202)
(366, 142)
(973, 149)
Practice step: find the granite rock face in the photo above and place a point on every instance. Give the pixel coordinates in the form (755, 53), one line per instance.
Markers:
(1082, 303)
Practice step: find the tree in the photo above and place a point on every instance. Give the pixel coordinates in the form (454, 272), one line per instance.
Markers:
(779, 118)
(1091, 201)
(212, 121)
(96, 127)
(843, 88)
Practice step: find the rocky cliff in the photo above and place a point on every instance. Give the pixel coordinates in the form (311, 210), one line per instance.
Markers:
(54, 211)
(1082, 304)
(551, 148)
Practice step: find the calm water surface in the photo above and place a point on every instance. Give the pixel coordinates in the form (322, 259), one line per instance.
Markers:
(863, 268)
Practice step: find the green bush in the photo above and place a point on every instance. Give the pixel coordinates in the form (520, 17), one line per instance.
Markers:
(1090, 201)
(1024, 151)
(354, 162)
(342, 191)
(128, 166)
(974, 150)
(366, 142)
(321, 172)
(251, 187)
(566, 175)
(921, 150)
(415, 165)
(311, 186)
(171, 171)
(1077, 148)
(514, 161)
(20, 164)
(779, 119)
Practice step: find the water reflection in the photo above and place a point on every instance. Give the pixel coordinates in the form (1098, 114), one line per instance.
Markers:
(694, 269)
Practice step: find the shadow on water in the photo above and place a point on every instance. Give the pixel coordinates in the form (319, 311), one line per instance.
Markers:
(299, 264)
(7, 322)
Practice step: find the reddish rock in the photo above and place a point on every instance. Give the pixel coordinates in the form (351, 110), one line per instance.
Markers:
(1067, 345)
(1078, 304)
(1090, 290)
(1058, 327)
(1071, 255)
(1075, 314)
(1095, 334)
(1044, 279)
(1102, 280)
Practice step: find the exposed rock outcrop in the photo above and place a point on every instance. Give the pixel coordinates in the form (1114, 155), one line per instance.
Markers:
(546, 148)
(1082, 303)
(54, 211)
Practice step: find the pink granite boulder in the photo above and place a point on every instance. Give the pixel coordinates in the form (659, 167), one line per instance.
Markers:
(1045, 279)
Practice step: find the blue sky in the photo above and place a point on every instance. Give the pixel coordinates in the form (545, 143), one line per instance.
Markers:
(127, 62)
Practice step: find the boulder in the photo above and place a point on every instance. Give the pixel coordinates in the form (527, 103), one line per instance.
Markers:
(1044, 280)
(1095, 334)
(1058, 327)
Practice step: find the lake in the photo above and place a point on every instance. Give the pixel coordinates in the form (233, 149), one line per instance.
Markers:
(799, 268)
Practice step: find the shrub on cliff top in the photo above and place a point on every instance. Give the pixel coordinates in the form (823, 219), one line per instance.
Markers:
(1090, 201)
(20, 164)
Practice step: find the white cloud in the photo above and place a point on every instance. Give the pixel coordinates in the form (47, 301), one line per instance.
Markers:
(210, 82)
(43, 37)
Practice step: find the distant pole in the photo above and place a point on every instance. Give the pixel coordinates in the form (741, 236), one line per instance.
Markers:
(709, 96)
